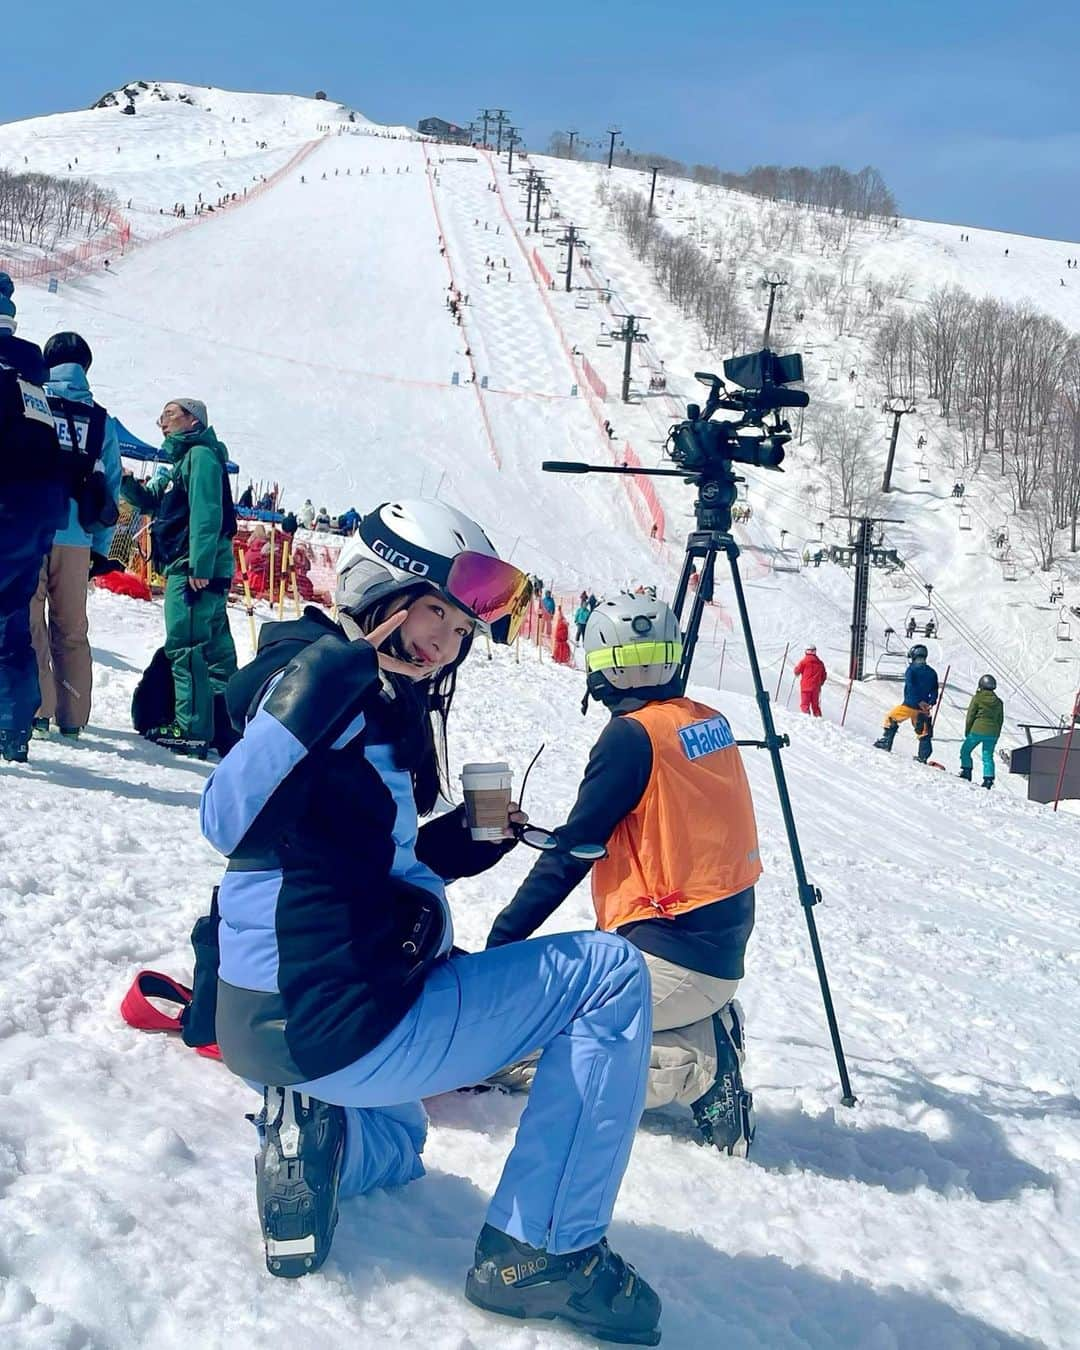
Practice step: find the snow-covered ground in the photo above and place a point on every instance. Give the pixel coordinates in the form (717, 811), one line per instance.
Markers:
(943, 1211)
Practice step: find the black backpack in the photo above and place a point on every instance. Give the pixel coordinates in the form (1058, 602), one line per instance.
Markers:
(170, 528)
(29, 447)
(80, 428)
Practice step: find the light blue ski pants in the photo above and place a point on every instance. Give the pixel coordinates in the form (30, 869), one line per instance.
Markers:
(581, 998)
(972, 741)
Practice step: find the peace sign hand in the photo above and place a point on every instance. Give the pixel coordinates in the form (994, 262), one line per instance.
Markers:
(378, 635)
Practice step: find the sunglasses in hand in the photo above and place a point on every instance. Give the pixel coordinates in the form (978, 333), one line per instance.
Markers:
(535, 836)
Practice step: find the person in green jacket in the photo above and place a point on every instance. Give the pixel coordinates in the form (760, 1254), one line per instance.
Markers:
(985, 714)
(193, 524)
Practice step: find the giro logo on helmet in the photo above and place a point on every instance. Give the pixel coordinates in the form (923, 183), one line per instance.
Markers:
(397, 559)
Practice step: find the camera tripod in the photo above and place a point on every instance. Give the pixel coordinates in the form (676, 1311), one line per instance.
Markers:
(716, 491)
(713, 536)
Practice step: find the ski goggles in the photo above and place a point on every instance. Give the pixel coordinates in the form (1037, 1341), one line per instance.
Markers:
(629, 654)
(494, 592)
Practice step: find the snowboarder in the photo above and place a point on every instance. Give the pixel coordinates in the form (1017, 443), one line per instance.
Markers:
(920, 695)
(812, 675)
(340, 987)
(678, 883)
(982, 727)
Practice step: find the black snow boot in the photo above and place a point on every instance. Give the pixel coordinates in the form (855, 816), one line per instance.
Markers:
(965, 774)
(725, 1114)
(15, 746)
(592, 1289)
(884, 742)
(988, 782)
(297, 1171)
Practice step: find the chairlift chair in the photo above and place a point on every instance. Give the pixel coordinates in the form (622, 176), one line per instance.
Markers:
(1008, 570)
(964, 520)
(834, 372)
(860, 399)
(921, 620)
(892, 663)
(603, 338)
(786, 560)
(1064, 628)
(581, 301)
(924, 474)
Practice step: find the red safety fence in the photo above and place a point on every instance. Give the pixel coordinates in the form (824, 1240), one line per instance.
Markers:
(597, 385)
(542, 272)
(112, 240)
(643, 499)
(118, 238)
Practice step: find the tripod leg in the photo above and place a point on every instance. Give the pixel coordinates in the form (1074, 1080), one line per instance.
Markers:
(808, 895)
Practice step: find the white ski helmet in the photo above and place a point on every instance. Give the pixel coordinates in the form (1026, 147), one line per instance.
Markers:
(421, 544)
(632, 642)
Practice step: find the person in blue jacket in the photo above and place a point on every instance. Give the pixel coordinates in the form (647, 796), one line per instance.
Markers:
(920, 695)
(61, 645)
(33, 503)
(339, 985)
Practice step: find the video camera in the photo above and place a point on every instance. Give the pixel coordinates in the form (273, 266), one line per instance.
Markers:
(706, 449)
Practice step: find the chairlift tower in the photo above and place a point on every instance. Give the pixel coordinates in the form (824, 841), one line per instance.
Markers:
(571, 238)
(629, 333)
(863, 548)
(612, 133)
(774, 281)
(654, 169)
(899, 407)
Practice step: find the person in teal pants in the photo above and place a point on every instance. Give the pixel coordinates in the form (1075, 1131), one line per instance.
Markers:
(985, 714)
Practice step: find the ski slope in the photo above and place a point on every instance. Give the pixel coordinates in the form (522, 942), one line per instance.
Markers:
(943, 1211)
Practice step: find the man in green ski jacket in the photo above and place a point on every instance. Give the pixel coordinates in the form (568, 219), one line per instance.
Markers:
(985, 715)
(193, 525)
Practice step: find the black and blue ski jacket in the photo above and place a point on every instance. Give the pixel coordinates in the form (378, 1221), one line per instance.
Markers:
(333, 904)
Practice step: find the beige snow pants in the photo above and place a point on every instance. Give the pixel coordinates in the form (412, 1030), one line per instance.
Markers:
(65, 668)
(682, 1066)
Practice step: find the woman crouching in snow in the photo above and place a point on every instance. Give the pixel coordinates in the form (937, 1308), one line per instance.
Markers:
(339, 986)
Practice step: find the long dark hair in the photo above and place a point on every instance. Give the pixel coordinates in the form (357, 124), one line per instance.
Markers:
(424, 705)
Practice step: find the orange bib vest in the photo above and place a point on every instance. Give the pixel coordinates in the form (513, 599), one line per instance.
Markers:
(692, 838)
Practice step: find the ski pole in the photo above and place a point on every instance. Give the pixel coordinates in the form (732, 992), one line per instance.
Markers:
(723, 653)
(941, 698)
(783, 663)
(847, 700)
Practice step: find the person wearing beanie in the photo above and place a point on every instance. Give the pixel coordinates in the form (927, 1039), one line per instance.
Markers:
(58, 623)
(812, 675)
(191, 534)
(33, 502)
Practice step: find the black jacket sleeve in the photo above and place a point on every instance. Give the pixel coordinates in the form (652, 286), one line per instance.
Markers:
(615, 777)
(446, 846)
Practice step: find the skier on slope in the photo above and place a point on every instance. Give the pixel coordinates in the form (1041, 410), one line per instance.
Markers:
(812, 675)
(666, 791)
(982, 727)
(920, 695)
(339, 986)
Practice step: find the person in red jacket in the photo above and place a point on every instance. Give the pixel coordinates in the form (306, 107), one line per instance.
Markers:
(811, 673)
(560, 651)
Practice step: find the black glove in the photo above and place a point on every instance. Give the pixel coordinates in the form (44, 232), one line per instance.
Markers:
(101, 566)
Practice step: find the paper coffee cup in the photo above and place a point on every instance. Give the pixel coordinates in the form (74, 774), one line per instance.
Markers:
(487, 798)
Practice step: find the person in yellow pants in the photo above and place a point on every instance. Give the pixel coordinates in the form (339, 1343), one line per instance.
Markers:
(920, 695)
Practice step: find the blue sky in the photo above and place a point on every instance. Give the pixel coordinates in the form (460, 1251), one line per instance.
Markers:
(970, 110)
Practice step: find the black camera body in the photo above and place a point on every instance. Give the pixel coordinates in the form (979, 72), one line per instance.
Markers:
(707, 449)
